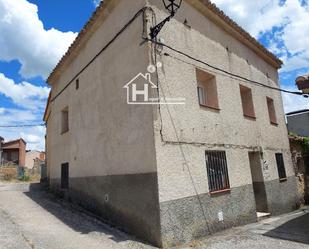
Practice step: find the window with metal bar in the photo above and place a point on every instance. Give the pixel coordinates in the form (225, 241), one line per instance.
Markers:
(218, 177)
(281, 167)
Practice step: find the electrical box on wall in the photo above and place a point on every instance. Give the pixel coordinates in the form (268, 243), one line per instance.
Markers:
(220, 216)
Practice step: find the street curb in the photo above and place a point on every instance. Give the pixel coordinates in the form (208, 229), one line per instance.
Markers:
(21, 187)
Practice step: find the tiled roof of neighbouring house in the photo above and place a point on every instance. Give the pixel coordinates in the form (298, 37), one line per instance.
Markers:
(298, 112)
(302, 78)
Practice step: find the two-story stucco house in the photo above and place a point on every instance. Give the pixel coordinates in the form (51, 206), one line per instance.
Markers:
(169, 173)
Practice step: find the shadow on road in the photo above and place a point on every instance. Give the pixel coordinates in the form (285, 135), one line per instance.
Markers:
(296, 230)
(73, 216)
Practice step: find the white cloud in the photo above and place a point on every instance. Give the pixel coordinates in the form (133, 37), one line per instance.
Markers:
(34, 136)
(10, 116)
(254, 16)
(32, 99)
(293, 102)
(96, 2)
(24, 94)
(291, 16)
(24, 38)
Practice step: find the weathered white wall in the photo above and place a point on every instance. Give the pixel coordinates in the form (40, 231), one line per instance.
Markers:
(201, 129)
(107, 136)
(30, 156)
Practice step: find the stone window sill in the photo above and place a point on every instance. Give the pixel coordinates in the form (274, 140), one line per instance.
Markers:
(210, 107)
(220, 192)
(250, 117)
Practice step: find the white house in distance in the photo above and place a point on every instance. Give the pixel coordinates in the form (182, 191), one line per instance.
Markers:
(169, 173)
(32, 156)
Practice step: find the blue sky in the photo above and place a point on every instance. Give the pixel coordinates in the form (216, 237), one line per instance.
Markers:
(34, 34)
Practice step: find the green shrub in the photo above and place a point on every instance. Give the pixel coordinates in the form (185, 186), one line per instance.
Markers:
(306, 145)
(293, 134)
(24, 178)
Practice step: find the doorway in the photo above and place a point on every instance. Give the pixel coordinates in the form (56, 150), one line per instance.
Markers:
(65, 176)
(258, 182)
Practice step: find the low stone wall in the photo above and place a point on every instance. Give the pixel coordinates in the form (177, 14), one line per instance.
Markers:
(190, 218)
(131, 203)
(8, 173)
(282, 196)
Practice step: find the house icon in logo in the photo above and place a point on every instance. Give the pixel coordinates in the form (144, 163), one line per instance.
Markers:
(139, 89)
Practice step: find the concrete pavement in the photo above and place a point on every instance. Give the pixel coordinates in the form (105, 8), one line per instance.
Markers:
(282, 232)
(36, 219)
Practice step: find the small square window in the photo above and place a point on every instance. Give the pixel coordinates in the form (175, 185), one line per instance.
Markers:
(218, 177)
(77, 84)
(207, 89)
(247, 101)
(271, 111)
(281, 167)
(65, 120)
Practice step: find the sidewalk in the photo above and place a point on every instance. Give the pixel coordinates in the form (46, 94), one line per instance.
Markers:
(288, 231)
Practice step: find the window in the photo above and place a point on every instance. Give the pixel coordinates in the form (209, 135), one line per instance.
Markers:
(247, 101)
(77, 84)
(65, 176)
(218, 178)
(281, 167)
(207, 89)
(65, 120)
(271, 111)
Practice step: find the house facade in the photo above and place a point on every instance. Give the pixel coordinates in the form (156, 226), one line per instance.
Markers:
(32, 157)
(14, 152)
(169, 173)
(298, 122)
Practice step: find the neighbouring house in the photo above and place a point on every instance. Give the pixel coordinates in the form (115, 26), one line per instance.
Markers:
(300, 158)
(1, 141)
(14, 152)
(169, 173)
(298, 122)
(32, 157)
(302, 83)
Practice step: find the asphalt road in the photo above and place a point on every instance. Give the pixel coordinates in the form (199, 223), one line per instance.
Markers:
(37, 220)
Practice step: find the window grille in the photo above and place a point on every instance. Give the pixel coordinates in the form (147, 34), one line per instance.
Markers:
(218, 177)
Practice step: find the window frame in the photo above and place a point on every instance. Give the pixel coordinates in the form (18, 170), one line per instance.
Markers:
(246, 95)
(208, 83)
(271, 111)
(216, 162)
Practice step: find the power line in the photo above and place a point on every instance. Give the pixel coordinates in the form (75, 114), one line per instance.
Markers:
(224, 71)
(22, 126)
(141, 11)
